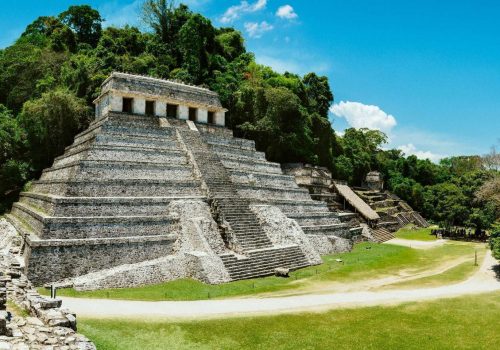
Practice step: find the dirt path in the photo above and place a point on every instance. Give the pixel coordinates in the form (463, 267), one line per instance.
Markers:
(416, 244)
(484, 280)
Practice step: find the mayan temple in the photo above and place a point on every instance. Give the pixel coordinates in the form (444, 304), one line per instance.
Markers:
(157, 188)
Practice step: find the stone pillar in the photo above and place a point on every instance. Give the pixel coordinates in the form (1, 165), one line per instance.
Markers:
(202, 116)
(183, 112)
(161, 109)
(139, 105)
(115, 103)
(220, 118)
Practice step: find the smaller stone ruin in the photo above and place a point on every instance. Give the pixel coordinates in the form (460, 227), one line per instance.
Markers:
(373, 181)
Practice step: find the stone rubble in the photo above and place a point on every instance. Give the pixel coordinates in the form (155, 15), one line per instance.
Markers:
(47, 325)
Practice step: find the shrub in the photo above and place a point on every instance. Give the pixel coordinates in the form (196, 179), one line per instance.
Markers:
(495, 244)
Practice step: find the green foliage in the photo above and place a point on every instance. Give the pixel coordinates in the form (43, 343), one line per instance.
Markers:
(14, 169)
(458, 191)
(279, 125)
(158, 15)
(51, 122)
(85, 23)
(359, 149)
(318, 93)
(231, 43)
(196, 39)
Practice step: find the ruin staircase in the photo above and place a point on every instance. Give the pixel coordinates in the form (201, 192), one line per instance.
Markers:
(381, 234)
(258, 257)
(394, 211)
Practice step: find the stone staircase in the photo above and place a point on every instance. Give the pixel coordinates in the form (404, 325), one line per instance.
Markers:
(420, 220)
(318, 182)
(263, 182)
(257, 255)
(381, 234)
(263, 262)
(394, 212)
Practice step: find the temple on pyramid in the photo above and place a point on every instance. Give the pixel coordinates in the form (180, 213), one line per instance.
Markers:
(157, 188)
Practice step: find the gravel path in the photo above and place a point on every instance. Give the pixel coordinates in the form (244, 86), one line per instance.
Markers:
(484, 280)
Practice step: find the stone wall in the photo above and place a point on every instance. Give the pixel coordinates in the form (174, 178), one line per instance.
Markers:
(50, 263)
(330, 244)
(194, 254)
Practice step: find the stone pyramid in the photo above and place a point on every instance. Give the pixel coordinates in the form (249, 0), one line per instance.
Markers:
(141, 198)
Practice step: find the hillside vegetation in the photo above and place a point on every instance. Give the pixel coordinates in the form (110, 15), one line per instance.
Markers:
(51, 74)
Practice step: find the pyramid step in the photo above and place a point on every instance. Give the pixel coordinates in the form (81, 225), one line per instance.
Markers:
(100, 206)
(119, 188)
(249, 268)
(232, 141)
(231, 162)
(222, 150)
(122, 153)
(48, 227)
(99, 169)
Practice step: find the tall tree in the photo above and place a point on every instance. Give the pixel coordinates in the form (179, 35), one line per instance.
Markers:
(85, 22)
(51, 122)
(157, 14)
(14, 170)
(319, 94)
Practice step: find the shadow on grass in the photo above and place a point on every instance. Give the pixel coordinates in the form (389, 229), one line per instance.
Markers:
(496, 269)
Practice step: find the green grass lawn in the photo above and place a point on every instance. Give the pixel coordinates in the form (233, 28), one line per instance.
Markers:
(420, 234)
(461, 323)
(367, 260)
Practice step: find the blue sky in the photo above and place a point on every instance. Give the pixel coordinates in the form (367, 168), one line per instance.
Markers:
(425, 72)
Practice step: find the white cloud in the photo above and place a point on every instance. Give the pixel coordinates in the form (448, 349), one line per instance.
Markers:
(438, 143)
(235, 12)
(410, 149)
(287, 12)
(255, 29)
(359, 115)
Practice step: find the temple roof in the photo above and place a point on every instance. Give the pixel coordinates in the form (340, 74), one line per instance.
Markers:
(154, 87)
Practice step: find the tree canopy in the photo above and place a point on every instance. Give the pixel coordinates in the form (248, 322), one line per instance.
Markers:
(52, 73)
